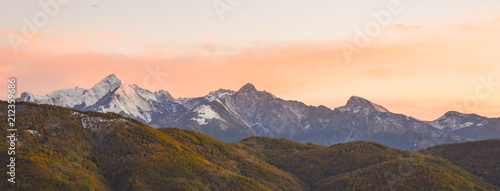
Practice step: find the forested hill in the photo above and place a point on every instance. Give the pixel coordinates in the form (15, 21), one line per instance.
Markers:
(481, 158)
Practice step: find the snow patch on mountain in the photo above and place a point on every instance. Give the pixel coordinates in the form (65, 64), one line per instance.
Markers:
(205, 113)
(93, 122)
(127, 100)
(482, 123)
(466, 124)
(437, 125)
(453, 120)
(219, 94)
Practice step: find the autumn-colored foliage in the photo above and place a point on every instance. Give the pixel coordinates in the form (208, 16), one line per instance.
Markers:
(68, 149)
(481, 158)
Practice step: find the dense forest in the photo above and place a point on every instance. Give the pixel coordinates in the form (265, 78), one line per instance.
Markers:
(365, 166)
(66, 149)
(481, 158)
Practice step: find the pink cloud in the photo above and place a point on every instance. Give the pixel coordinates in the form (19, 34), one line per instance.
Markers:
(421, 70)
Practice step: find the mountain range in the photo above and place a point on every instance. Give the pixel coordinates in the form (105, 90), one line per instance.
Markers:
(60, 148)
(231, 116)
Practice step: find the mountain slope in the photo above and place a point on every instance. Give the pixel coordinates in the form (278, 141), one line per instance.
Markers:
(212, 119)
(481, 158)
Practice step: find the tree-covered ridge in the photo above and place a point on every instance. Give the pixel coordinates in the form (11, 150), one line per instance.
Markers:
(322, 162)
(364, 166)
(426, 173)
(237, 158)
(481, 158)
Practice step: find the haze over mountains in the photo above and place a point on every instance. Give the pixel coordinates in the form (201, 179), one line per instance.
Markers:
(231, 116)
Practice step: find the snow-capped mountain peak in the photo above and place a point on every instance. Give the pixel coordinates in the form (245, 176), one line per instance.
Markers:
(127, 99)
(30, 97)
(205, 113)
(109, 83)
(164, 95)
(76, 97)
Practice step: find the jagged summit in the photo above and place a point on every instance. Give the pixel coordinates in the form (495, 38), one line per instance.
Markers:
(358, 104)
(105, 86)
(219, 94)
(111, 77)
(248, 88)
(109, 81)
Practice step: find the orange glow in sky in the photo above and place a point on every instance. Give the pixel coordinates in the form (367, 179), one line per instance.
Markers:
(418, 65)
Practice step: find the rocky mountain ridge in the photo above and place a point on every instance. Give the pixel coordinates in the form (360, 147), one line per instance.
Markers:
(234, 115)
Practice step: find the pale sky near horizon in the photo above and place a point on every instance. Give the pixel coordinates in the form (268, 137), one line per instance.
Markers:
(432, 57)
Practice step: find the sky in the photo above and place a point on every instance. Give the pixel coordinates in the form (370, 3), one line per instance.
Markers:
(420, 58)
